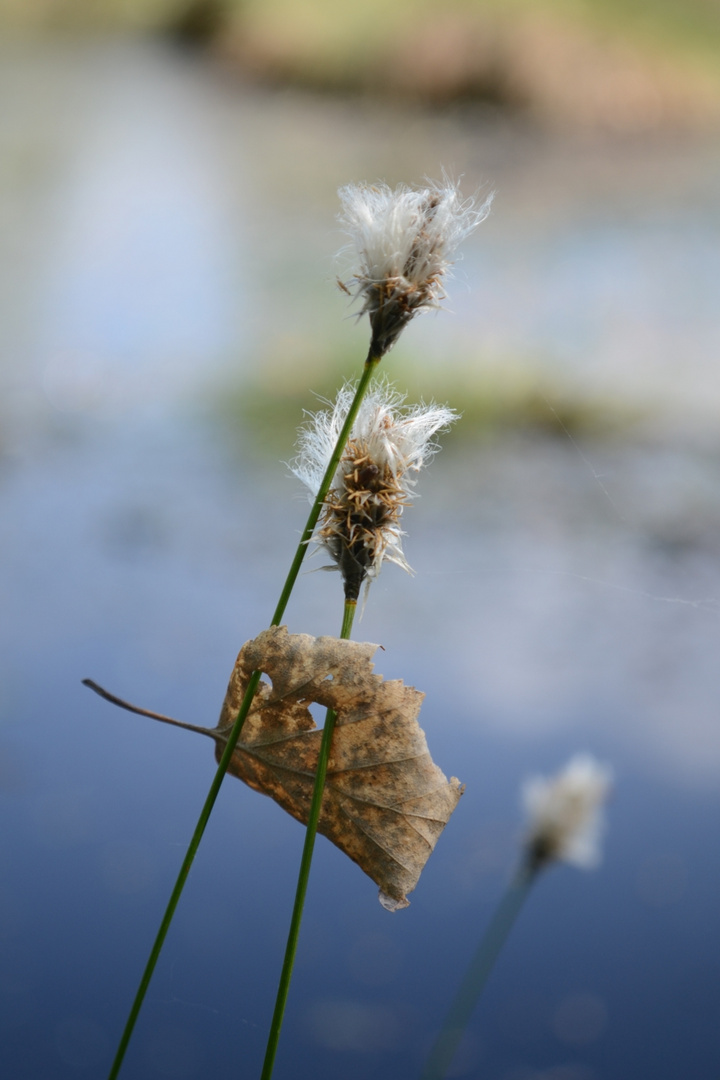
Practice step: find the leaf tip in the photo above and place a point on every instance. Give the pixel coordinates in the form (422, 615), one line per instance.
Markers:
(391, 903)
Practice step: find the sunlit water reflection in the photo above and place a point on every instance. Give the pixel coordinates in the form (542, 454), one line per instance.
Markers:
(169, 233)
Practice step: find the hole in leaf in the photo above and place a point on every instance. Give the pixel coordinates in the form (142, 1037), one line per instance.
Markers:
(318, 713)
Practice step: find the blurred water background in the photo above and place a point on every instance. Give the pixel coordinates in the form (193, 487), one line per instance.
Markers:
(168, 310)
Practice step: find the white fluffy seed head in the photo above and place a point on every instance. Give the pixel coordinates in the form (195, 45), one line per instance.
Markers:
(359, 526)
(566, 819)
(404, 240)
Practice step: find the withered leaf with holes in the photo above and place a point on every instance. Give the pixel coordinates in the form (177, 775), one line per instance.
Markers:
(385, 801)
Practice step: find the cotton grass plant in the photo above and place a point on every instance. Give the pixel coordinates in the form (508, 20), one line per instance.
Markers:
(565, 823)
(405, 241)
(359, 526)
(359, 459)
(359, 462)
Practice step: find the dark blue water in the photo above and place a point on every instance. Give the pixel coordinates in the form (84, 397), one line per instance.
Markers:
(565, 597)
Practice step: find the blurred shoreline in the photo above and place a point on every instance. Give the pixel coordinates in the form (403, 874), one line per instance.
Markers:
(620, 68)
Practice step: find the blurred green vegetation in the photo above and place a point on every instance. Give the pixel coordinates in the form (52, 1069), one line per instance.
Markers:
(357, 31)
(494, 401)
(626, 64)
(355, 34)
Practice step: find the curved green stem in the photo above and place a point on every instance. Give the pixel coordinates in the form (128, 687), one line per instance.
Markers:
(477, 974)
(363, 384)
(304, 873)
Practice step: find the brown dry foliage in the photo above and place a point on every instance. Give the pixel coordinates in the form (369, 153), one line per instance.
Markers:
(385, 802)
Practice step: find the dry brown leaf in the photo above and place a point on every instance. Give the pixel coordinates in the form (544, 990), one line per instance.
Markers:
(385, 802)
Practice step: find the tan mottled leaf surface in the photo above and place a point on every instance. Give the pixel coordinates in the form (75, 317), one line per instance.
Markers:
(385, 801)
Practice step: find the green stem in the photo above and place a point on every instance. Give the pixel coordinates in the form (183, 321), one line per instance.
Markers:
(182, 878)
(370, 364)
(363, 384)
(304, 873)
(477, 974)
(348, 616)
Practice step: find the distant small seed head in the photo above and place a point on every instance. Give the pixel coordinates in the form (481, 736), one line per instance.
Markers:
(566, 819)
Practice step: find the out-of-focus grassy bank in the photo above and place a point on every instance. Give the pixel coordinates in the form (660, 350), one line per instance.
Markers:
(621, 64)
(519, 401)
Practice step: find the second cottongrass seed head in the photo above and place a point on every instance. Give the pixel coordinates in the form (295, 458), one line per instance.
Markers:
(359, 525)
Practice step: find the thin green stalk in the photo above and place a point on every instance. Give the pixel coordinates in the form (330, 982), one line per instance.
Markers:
(477, 974)
(182, 877)
(368, 371)
(348, 616)
(363, 384)
(304, 873)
